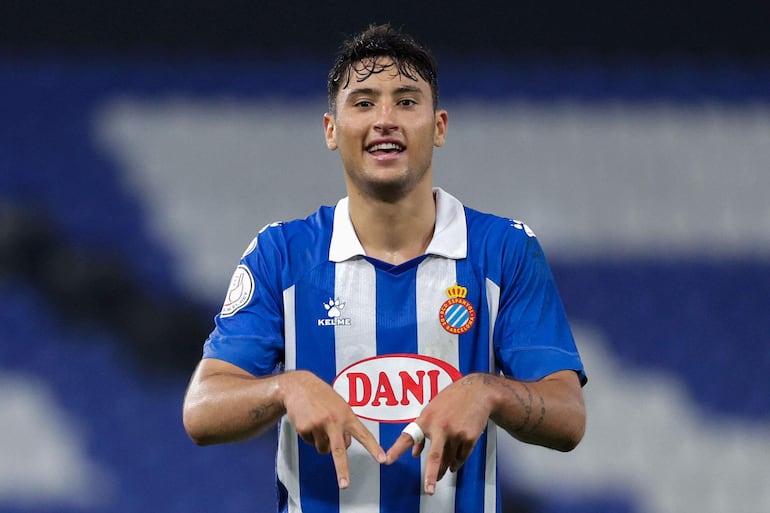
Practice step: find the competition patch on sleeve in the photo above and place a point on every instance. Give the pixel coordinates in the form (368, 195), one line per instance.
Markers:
(240, 292)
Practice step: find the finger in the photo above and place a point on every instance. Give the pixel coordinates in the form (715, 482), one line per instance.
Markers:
(448, 456)
(321, 442)
(417, 449)
(463, 452)
(308, 438)
(441, 472)
(340, 458)
(348, 440)
(359, 432)
(433, 463)
(402, 443)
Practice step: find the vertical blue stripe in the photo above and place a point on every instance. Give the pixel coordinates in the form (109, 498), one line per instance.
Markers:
(315, 352)
(474, 357)
(474, 345)
(400, 483)
(470, 480)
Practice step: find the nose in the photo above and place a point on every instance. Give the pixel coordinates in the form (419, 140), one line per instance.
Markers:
(386, 118)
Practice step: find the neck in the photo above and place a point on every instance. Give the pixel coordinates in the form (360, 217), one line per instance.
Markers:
(394, 232)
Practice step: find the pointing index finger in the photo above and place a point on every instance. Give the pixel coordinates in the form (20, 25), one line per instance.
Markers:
(365, 437)
(340, 457)
(402, 443)
(433, 463)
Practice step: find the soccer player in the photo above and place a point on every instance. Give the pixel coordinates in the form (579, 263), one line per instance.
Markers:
(397, 319)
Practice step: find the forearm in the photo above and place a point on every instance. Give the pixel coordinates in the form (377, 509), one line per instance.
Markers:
(226, 405)
(549, 412)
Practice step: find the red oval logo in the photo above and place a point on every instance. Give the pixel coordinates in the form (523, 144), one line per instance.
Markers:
(393, 388)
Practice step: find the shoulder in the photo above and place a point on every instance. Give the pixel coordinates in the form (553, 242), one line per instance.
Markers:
(491, 229)
(485, 233)
(504, 247)
(296, 234)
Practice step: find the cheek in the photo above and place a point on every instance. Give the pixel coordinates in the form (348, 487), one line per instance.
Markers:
(427, 137)
(347, 135)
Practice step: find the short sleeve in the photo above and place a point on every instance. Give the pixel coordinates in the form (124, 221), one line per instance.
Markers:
(248, 330)
(532, 336)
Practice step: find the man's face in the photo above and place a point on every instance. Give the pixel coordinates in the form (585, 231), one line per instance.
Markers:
(385, 128)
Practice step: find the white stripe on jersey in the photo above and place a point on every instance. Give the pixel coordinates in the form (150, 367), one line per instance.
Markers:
(490, 484)
(433, 277)
(355, 281)
(490, 474)
(290, 326)
(493, 302)
(288, 453)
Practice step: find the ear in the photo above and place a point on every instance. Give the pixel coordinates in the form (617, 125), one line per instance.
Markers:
(330, 131)
(439, 133)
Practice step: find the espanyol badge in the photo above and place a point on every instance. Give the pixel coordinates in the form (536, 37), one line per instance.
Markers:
(457, 314)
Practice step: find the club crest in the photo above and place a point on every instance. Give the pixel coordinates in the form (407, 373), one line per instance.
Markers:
(457, 314)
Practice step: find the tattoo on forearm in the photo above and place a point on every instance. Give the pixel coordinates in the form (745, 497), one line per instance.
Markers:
(262, 411)
(540, 420)
(527, 406)
(486, 379)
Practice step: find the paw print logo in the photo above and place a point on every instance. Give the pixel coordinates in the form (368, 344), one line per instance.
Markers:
(520, 225)
(334, 307)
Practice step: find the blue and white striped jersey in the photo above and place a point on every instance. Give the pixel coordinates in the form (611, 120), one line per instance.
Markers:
(390, 337)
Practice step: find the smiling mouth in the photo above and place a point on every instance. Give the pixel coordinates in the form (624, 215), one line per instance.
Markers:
(385, 148)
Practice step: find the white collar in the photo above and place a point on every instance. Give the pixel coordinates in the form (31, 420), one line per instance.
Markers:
(449, 237)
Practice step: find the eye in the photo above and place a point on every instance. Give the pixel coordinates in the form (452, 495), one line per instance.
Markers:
(407, 102)
(363, 104)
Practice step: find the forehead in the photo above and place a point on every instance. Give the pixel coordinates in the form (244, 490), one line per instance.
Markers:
(381, 69)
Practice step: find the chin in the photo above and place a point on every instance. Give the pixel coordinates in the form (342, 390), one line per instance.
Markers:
(390, 189)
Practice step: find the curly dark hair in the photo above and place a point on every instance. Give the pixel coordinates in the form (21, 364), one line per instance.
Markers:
(360, 54)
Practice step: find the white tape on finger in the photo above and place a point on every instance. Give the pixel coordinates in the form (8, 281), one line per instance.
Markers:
(415, 431)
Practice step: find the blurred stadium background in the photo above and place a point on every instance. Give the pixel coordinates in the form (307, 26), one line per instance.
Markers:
(143, 144)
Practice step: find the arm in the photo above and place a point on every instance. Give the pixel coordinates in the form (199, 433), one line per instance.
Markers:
(224, 403)
(549, 412)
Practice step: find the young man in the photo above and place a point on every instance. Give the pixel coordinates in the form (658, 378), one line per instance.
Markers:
(398, 319)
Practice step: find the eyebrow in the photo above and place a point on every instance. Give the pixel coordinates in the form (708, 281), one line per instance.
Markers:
(371, 91)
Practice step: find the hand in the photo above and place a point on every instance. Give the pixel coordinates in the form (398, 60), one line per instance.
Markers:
(453, 421)
(323, 419)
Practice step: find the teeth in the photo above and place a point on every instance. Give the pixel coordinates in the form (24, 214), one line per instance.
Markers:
(386, 147)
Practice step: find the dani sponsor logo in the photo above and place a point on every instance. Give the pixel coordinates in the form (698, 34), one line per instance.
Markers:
(393, 388)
